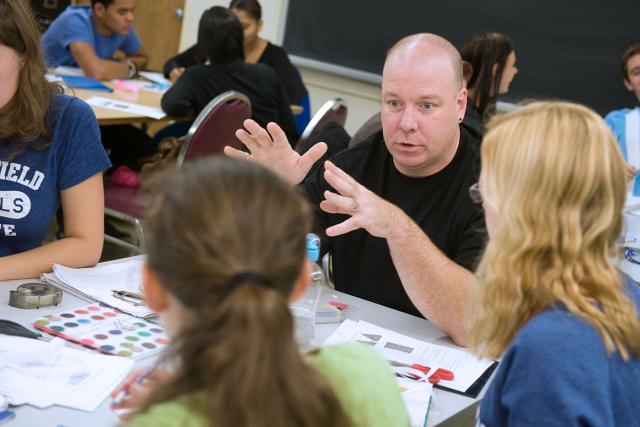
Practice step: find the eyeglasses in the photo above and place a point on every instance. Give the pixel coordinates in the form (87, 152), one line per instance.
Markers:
(474, 193)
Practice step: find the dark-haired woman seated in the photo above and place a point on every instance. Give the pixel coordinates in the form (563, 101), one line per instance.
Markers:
(221, 67)
(256, 50)
(490, 66)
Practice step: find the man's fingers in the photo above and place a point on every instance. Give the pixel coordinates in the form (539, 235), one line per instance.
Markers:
(260, 134)
(312, 155)
(339, 204)
(247, 139)
(338, 182)
(235, 153)
(343, 228)
(328, 165)
(277, 134)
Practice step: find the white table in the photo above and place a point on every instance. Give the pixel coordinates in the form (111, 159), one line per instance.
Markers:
(446, 409)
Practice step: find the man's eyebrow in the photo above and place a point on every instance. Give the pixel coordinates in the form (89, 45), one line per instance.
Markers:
(636, 68)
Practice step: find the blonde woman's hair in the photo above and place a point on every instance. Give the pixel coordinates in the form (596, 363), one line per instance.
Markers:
(555, 176)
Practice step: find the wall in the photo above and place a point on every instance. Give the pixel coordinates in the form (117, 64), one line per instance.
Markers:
(363, 98)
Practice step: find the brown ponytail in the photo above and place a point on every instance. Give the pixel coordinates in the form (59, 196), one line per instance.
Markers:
(236, 352)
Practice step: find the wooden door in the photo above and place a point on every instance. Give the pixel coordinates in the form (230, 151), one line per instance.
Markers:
(159, 24)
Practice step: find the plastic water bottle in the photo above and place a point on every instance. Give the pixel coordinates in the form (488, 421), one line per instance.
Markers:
(313, 252)
(304, 309)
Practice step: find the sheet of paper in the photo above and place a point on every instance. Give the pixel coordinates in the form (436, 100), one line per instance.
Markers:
(417, 399)
(68, 71)
(52, 78)
(102, 280)
(128, 107)
(155, 77)
(49, 373)
(466, 367)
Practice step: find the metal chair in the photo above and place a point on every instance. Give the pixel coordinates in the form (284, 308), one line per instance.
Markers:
(334, 110)
(212, 130)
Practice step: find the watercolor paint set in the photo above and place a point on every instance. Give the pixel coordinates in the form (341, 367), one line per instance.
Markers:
(107, 330)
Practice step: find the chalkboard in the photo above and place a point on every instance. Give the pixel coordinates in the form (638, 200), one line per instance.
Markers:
(566, 49)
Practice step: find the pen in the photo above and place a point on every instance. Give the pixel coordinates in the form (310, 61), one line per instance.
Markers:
(120, 397)
(131, 297)
(128, 294)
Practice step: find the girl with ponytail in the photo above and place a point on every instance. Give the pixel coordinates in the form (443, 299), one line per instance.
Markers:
(226, 253)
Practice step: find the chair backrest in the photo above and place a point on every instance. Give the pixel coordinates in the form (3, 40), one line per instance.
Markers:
(371, 126)
(215, 126)
(334, 110)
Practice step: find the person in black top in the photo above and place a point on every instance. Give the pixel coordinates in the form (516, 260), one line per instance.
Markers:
(490, 67)
(256, 50)
(408, 235)
(220, 68)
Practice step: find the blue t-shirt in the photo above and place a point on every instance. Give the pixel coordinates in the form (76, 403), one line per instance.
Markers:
(557, 373)
(616, 120)
(75, 24)
(31, 182)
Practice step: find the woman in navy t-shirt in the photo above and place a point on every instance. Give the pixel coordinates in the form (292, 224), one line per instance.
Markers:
(50, 156)
(553, 185)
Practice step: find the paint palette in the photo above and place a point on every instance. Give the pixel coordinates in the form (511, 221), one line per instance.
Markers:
(107, 330)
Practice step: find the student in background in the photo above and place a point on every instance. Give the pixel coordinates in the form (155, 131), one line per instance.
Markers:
(220, 68)
(490, 67)
(221, 288)
(256, 50)
(625, 123)
(89, 36)
(549, 295)
(50, 156)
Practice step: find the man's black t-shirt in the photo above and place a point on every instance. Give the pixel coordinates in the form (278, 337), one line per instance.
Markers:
(439, 204)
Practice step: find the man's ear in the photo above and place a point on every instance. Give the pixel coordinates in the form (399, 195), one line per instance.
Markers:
(628, 85)
(99, 10)
(461, 103)
(494, 70)
(155, 294)
(260, 23)
(302, 282)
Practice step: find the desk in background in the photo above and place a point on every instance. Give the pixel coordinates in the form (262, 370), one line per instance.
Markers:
(107, 116)
(446, 409)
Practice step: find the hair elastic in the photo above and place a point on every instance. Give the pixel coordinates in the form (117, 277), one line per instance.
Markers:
(248, 276)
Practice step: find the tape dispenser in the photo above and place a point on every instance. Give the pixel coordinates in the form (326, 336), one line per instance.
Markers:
(35, 295)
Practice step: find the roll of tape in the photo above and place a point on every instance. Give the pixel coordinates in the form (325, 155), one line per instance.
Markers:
(35, 295)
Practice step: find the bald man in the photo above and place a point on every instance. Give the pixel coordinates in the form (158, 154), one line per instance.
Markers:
(396, 211)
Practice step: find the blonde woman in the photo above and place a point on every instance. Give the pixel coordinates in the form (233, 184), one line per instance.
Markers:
(553, 186)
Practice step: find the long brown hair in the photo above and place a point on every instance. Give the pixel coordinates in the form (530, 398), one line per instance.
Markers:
(481, 52)
(24, 119)
(236, 351)
(554, 174)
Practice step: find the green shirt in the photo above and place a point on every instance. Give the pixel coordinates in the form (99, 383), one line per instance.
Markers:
(362, 380)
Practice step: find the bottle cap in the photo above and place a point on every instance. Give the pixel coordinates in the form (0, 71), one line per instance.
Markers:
(313, 247)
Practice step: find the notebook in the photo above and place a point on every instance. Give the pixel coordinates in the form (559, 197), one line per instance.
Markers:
(99, 327)
(83, 82)
(97, 284)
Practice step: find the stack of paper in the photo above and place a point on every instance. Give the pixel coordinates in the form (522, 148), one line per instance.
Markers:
(96, 284)
(469, 371)
(48, 373)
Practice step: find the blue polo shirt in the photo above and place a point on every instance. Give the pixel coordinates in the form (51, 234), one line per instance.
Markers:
(31, 182)
(75, 24)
